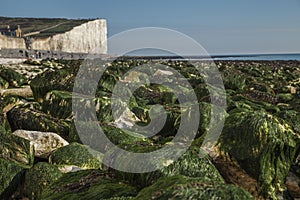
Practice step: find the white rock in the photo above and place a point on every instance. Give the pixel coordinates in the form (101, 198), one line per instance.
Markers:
(132, 76)
(126, 120)
(69, 168)
(160, 72)
(44, 142)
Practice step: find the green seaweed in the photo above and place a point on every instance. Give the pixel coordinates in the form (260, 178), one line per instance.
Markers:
(39, 177)
(87, 184)
(14, 78)
(77, 155)
(27, 118)
(3, 83)
(181, 187)
(189, 164)
(16, 149)
(10, 177)
(263, 145)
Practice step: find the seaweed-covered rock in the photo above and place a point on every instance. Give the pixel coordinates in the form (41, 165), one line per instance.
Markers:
(234, 80)
(62, 79)
(39, 177)
(14, 78)
(154, 94)
(58, 104)
(3, 83)
(292, 117)
(189, 164)
(87, 184)
(26, 118)
(181, 187)
(76, 155)
(89, 134)
(17, 149)
(44, 142)
(210, 115)
(6, 104)
(10, 177)
(263, 145)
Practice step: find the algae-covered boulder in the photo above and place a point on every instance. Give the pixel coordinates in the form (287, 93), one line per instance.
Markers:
(3, 83)
(44, 142)
(16, 149)
(10, 177)
(263, 145)
(182, 187)
(87, 184)
(39, 177)
(154, 94)
(58, 104)
(88, 133)
(292, 117)
(14, 78)
(26, 118)
(77, 155)
(209, 115)
(6, 104)
(193, 163)
(61, 79)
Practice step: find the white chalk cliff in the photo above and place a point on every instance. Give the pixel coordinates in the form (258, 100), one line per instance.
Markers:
(90, 37)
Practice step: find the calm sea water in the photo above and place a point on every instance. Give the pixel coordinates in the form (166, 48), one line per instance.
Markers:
(222, 57)
(260, 57)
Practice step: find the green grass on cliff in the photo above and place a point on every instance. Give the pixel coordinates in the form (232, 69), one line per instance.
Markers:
(29, 25)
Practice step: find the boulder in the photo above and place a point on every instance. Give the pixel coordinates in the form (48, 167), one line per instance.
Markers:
(264, 146)
(10, 177)
(182, 187)
(6, 104)
(39, 177)
(26, 118)
(189, 164)
(3, 83)
(59, 104)
(89, 135)
(16, 149)
(234, 80)
(155, 94)
(76, 155)
(88, 184)
(24, 92)
(14, 78)
(61, 79)
(44, 142)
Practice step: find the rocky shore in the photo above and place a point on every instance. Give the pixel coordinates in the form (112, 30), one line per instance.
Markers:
(42, 155)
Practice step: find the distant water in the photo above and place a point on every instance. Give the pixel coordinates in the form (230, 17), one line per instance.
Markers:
(259, 57)
(221, 57)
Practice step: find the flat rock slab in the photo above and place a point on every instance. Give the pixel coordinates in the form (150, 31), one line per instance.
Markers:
(21, 92)
(44, 142)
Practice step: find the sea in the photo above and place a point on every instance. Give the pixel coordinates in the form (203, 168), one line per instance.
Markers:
(258, 57)
(286, 57)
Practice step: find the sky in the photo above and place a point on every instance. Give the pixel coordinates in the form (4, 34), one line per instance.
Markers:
(220, 26)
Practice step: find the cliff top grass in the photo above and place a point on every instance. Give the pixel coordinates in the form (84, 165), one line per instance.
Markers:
(41, 27)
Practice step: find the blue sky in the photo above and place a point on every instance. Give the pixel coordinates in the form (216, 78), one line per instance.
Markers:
(220, 26)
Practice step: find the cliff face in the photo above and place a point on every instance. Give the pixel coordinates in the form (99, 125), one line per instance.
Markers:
(11, 43)
(87, 38)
